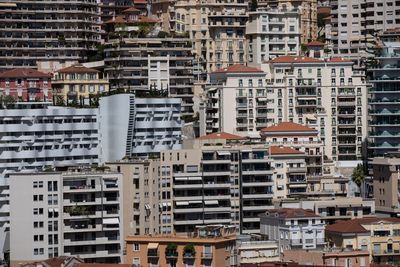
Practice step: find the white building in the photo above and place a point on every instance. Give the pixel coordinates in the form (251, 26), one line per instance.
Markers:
(272, 32)
(257, 251)
(71, 214)
(293, 228)
(138, 127)
(236, 101)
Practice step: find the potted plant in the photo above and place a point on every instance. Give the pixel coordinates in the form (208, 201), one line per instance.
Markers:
(170, 250)
(189, 250)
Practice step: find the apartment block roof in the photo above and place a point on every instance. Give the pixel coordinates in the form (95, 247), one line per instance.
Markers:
(300, 59)
(355, 226)
(288, 127)
(131, 10)
(62, 261)
(24, 73)
(281, 150)
(221, 135)
(77, 69)
(315, 43)
(290, 213)
(238, 69)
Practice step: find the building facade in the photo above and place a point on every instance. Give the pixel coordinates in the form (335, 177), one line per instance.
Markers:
(212, 245)
(78, 85)
(26, 85)
(308, 15)
(72, 214)
(159, 64)
(272, 32)
(293, 228)
(142, 126)
(327, 95)
(38, 31)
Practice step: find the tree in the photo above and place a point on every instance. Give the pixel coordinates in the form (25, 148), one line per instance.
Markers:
(8, 101)
(253, 5)
(60, 100)
(358, 175)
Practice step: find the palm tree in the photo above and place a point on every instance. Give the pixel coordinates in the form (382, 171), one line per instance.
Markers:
(358, 175)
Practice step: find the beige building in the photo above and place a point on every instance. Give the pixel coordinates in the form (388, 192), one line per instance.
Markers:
(386, 174)
(217, 28)
(212, 245)
(308, 15)
(140, 192)
(257, 251)
(327, 95)
(78, 84)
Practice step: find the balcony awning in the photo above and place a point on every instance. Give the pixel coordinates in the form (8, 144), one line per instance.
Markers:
(195, 202)
(110, 221)
(223, 153)
(152, 246)
(195, 178)
(182, 203)
(211, 202)
(181, 178)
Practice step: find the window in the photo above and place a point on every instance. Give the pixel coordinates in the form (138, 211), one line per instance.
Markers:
(136, 247)
(38, 211)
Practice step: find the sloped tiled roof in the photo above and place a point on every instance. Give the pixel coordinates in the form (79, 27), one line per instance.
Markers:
(237, 69)
(77, 69)
(131, 10)
(295, 59)
(291, 213)
(315, 43)
(289, 127)
(281, 150)
(356, 225)
(24, 73)
(117, 19)
(147, 19)
(339, 59)
(324, 10)
(221, 135)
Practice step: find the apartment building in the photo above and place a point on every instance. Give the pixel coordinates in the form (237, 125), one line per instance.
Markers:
(216, 27)
(45, 136)
(385, 171)
(78, 85)
(302, 138)
(379, 236)
(257, 251)
(212, 245)
(141, 190)
(326, 94)
(272, 32)
(356, 22)
(138, 127)
(308, 15)
(26, 85)
(110, 9)
(160, 64)
(74, 213)
(293, 228)
(332, 209)
(38, 31)
(236, 101)
(384, 98)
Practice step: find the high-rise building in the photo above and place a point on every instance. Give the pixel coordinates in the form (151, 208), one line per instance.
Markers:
(217, 28)
(308, 15)
(26, 85)
(272, 32)
(74, 213)
(355, 24)
(138, 127)
(384, 124)
(143, 64)
(38, 31)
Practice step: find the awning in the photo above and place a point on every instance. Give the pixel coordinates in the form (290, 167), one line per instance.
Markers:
(195, 178)
(56, 210)
(211, 202)
(51, 209)
(152, 246)
(195, 202)
(182, 203)
(164, 204)
(169, 204)
(111, 221)
(262, 99)
(223, 153)
(180, 178)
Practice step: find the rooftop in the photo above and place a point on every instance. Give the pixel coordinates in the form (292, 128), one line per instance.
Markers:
(280, 150)
(24, 73)
(238, 69)
(299, 59)
(221, 135)
(288, 127)
(290, 213)
(54, 262)
(77, 69)
(315, 43)
(356, 225)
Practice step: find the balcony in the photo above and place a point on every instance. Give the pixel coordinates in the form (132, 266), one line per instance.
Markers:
(297, 169)
(206, 255)
(152, 254)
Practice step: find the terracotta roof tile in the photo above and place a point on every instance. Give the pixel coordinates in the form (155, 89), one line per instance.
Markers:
(77, 69)
(295, 59)
(315, 43)
(131, 10)
(237, 69)
(147, 19)
(355, 225)
(289, 127)
(140, 1)
(24, 73)
(289, 213)
(281, 150)
(221, 135)
(102, 265)
(340, 59)
(324, 10)
(117, 19)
